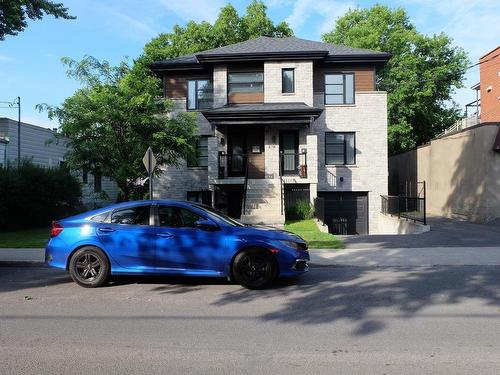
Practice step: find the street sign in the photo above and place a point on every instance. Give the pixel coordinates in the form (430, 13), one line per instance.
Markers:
(149, 161)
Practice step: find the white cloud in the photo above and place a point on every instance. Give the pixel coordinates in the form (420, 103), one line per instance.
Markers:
(138, 25)
(197, 10)
(6, 58)
(320, 13)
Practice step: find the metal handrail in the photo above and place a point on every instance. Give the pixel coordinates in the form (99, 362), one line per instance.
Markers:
(245, 188)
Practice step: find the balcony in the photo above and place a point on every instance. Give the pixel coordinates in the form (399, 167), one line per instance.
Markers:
(293, 164)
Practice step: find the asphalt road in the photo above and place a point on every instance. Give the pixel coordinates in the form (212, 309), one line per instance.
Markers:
(346, 320)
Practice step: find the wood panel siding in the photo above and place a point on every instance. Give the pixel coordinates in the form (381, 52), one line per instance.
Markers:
(175, 85)
(256, 161)
(245, 67)
(364, 76)
(245, 97)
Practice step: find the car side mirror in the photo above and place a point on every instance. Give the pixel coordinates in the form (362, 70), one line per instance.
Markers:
(205, 224)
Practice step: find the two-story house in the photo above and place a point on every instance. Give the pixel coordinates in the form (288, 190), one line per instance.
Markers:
(282, 119)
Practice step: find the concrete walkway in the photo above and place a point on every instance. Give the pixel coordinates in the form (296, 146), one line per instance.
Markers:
(366, 257)
(22, 255)
(408, 257)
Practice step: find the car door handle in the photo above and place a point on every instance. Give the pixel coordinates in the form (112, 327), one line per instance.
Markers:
(164, 235)
(106, 230)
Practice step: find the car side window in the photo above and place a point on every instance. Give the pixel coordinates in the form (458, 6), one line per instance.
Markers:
(177, 217)
(133, 216)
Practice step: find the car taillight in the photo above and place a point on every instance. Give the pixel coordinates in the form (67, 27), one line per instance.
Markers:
(56, 229)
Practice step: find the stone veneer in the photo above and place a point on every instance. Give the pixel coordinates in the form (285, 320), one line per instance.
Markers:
(368, 119)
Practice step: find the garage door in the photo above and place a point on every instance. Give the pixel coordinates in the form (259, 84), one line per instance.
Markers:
(346, 212)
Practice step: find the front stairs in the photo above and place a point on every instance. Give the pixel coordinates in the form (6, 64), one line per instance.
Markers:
(263, 203)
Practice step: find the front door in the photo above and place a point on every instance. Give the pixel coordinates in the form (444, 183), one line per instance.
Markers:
(237, 155)
(129, 238)
(289, 149)
(183, 248)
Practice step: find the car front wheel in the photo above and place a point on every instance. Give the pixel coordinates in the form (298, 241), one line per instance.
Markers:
(255, 268)
(89, 267)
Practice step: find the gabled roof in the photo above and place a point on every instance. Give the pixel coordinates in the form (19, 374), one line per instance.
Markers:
(264, 48)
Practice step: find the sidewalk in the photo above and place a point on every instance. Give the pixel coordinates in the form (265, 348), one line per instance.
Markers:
(365, 257)
(411, 257)
(22, 255)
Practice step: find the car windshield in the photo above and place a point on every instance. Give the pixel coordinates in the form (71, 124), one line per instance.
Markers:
(220, 215)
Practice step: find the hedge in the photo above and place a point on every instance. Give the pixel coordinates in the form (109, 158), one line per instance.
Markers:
(33, 196)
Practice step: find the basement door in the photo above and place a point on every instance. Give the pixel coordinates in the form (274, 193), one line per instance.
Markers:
(346, 212)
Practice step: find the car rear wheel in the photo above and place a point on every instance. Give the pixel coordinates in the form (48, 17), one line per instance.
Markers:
(255, 268)
(89, 267)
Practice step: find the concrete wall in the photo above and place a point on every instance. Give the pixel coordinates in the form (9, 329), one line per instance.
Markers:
(368, 119)
(462, 173)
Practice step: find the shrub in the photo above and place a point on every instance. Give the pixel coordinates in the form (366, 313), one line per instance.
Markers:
(301, 210)
(32, 196)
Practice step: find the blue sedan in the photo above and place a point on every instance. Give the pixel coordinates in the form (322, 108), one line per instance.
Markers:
(172, 238)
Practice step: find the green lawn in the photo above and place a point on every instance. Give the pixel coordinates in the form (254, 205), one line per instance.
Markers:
(309, 231)
(25, 238)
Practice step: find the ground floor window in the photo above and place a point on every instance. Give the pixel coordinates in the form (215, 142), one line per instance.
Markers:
(203, 196)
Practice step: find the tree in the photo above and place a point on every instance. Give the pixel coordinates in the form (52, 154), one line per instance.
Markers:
(13, 14)
(420, 77)
(110, 125)
(229, 28)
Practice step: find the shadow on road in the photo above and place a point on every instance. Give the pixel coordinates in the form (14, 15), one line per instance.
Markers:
(361, 295)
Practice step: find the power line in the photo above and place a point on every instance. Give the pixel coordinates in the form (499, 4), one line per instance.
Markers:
(482, 62)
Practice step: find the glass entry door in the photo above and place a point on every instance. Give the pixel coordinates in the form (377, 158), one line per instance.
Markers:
(237, 155)
(289, 149)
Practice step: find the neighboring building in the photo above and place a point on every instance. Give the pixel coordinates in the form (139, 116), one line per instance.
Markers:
(489, 86)
(461, 166)
(282, 119)
(39, 145)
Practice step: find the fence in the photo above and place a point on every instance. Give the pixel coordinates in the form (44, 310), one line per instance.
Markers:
(412, 208)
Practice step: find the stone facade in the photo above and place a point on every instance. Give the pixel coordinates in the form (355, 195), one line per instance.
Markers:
(303, 76)
(367, 118)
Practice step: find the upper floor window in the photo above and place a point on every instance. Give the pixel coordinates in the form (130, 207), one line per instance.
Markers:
(200, 94)
(340, 148)
(339, 88)
(200, 158)
(246, 82)
(288, 81)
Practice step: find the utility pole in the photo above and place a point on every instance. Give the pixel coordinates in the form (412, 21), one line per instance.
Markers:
(18, 131)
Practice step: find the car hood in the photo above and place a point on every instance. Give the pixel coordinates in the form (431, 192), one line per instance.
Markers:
(269, 233)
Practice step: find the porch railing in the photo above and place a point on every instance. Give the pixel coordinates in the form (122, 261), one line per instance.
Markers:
(293, 163)
(232, 165)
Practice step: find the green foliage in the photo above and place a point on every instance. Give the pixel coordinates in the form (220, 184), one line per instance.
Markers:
(229, 28)
(13, 14)
(309, 231)
(33, 196)
(301, 210)
(420, 77)
(113, 119)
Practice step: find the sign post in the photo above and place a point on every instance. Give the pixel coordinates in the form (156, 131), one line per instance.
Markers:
(149, 161)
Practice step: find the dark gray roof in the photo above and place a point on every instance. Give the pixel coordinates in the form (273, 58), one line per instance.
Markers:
(276, 48)
(266, 44)
(263, 107)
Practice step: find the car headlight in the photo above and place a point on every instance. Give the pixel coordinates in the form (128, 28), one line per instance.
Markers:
(293, 245)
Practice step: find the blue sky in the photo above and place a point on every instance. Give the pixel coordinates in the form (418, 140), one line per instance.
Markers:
(113, 29)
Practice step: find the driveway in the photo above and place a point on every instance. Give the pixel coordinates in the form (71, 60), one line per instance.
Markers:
(449, 242)
(444, 233)
(347, 320)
